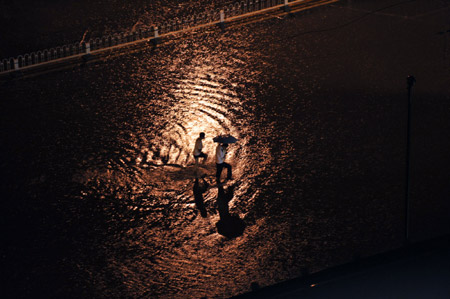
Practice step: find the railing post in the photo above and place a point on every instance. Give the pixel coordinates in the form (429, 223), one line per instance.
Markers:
(16, 64)
(87, 56)
(222, 20)
(286, 6)
(156, 39)
(26, 60)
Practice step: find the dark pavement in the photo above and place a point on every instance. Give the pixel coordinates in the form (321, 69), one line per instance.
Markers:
(421, 270)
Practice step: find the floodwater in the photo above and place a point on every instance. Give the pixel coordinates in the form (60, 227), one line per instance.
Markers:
(98, 171)
(46, 24)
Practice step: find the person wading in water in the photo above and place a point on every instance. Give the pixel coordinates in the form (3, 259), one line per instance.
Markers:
(198, 149)
(221, 151)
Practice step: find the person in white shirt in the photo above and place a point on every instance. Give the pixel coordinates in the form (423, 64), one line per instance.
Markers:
(221, 151)
(198, 149)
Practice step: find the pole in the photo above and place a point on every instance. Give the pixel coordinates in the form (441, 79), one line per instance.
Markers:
(287, 8)
(156, 38)
(410, 80)
(222, 20)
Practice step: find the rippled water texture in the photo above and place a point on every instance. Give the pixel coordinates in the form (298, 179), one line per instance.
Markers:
(99, 173)
(168, 100)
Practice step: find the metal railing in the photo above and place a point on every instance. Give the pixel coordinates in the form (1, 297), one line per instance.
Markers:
(106, 42)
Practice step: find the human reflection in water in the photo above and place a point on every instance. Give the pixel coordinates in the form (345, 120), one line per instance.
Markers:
(199, 189)
(230, 226)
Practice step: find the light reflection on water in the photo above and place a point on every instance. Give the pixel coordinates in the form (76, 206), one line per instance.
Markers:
(116, 142)
(175, 251)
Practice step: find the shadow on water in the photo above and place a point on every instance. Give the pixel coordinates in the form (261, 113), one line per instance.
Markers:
(199, 189)
(230, 226)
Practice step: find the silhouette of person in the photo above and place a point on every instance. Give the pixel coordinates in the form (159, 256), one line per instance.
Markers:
(198, 149)
(199, 189)
(221, 151)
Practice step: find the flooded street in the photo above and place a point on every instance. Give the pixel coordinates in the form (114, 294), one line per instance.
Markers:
(98, 169)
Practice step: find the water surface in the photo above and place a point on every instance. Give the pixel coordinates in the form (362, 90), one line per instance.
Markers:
(99, 173)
